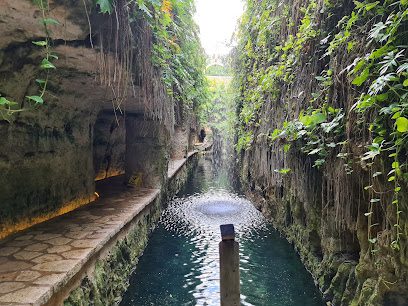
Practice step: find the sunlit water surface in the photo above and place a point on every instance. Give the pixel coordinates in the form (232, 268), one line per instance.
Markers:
(180, 264)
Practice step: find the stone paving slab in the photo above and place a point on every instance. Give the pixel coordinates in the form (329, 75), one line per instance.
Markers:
(176, 164)
(37, 262)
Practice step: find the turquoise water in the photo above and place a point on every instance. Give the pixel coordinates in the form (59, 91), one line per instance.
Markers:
(180, 263)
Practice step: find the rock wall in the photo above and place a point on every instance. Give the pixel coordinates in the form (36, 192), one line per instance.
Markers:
(321, 210)
(185, 131)
(147, 150)
(46, 153)
(109, 145)
(108, 278)
(97, 118)
(178, 181)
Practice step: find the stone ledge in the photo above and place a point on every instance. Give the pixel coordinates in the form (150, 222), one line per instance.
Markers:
(176, 164)
(62, 246)
(36, 263)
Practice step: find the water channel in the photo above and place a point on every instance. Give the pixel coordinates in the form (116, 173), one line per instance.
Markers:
(180, 264)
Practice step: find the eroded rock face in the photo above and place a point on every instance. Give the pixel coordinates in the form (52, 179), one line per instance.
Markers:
(322, 211)
(109, 145)
(146, 152)
(51, 154)
(21, 21)
(184, 139)
(46, 158)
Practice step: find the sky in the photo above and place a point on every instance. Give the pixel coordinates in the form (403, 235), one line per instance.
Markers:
(217, 20)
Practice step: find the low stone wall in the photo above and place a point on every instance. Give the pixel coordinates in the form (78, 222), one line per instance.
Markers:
(105, 278)
(178, 177)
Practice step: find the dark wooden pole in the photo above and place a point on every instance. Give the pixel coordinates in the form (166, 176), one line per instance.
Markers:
(229, 267)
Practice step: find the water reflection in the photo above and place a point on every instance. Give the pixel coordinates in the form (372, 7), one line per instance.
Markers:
(181, 266)
(197, 218)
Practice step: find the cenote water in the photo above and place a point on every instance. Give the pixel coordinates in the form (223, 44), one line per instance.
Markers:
(180, 264)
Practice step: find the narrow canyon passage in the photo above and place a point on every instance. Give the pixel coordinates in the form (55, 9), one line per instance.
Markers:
(298, 109)
(180, 265)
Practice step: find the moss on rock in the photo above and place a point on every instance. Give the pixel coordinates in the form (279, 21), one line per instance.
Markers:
(109, 277)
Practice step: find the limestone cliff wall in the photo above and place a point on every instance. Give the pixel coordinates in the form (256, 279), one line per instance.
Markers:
(321, 210)
(51, 154)
(108, 278)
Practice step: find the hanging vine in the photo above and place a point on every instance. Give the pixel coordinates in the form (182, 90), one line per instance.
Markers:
(176, 47)
(9, 107)
(379, 76)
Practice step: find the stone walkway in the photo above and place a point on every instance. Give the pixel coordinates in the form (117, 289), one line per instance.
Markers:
(176, 164)
(38, 261)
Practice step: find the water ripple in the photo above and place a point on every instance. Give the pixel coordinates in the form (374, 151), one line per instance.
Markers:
(198, 218)
(200, 215)
(181, 263)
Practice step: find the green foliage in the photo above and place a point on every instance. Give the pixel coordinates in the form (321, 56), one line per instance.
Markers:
(283, 171)
(105, 6)
(218, 110)
(217, 70)
(36, 99)
(264, 62)
(382, 73)
(176, 51)
(373, 36)
(46, 63)
(245, 140)
(7, 107)
(319, 131)
(402, 124)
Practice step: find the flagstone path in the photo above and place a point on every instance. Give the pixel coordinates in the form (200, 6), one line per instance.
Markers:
(37, 262)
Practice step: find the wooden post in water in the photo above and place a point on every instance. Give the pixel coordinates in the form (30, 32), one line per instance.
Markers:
(229, 267)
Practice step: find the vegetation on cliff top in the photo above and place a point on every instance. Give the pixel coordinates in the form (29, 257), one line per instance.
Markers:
(176, 50)
(374, 36)
(329, 80)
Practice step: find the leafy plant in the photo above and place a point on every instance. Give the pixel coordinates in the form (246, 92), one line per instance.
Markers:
(318, 131)
(373, 39)
(176, 50)
(105, 6)
(8, 107)
(383, 71)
